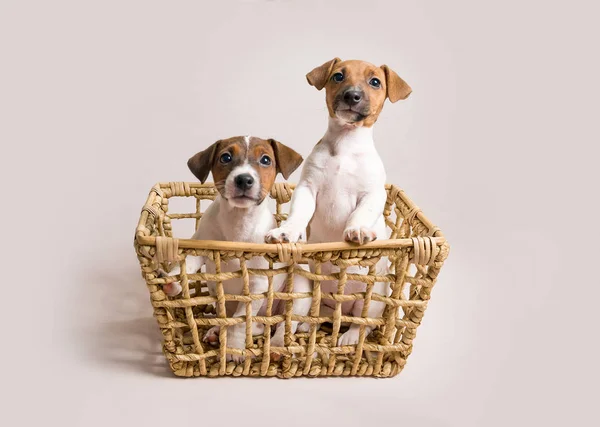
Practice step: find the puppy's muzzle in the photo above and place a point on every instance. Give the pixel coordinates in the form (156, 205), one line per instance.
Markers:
(244, 181)
(352, 103)
(353, 97)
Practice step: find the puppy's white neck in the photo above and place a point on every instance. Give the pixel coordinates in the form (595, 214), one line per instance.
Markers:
(342, 136)
(242, 224)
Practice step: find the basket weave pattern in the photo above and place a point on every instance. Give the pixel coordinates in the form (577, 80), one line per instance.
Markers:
(415, 249)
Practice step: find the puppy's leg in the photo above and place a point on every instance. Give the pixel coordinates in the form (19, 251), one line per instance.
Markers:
(305, 327)
(361, 226)
(350, 337)
(300, 306)
(327, 286)
(236, 336)
(192, 265)
(258, 328)
(324, 311)
(302, 208)
(212, 335)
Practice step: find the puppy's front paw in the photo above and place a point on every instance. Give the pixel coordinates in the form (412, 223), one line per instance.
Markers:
(172, 289)
(258, 328)
(283, 235)
(236, 338)
(360, 235)
(212, 335)
(278, 341)
(305, 327)
(350, 337)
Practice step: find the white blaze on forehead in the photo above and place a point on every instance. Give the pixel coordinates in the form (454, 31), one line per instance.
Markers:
(244, 168)
(247, 139)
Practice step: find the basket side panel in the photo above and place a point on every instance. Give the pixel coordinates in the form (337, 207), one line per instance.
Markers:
(390, 278)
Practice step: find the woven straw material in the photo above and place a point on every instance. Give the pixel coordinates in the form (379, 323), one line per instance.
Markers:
(416, 250)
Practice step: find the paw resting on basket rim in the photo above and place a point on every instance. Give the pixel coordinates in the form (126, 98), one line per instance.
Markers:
(360, 235)
(283, 235)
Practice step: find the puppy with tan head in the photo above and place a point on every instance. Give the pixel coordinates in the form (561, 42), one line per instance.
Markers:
(244, 170)
(341, 194)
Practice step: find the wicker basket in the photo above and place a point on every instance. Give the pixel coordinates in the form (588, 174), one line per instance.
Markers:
(416, 251)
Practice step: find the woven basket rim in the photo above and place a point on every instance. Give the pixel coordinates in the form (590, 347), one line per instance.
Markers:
(220, 245)
(142, 238)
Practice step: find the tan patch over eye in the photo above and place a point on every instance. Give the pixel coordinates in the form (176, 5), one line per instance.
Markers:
(228, 157)
(262, 159)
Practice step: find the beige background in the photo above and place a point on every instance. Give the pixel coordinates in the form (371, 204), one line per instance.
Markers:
(498, 144)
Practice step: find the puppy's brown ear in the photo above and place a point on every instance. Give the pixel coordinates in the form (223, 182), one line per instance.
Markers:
(286, 159)
(319, 76)
(397, 88)
(201, 163)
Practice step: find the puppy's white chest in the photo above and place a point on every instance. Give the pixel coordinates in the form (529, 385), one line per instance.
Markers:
(341, 183)
(342, 180)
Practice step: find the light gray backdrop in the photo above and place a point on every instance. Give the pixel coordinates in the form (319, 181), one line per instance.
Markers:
(498, 144)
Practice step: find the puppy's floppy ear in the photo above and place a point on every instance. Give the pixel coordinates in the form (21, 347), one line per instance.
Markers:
(397, 88)
(286, 159)
(201, 163)
(319, 76)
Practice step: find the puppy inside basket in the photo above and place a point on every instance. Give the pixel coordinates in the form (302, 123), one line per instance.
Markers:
(244, 170)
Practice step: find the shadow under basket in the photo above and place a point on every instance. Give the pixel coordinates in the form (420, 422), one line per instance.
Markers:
(415, 252)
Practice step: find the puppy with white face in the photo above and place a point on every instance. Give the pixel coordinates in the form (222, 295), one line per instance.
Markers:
(341, 194)
(244, 170)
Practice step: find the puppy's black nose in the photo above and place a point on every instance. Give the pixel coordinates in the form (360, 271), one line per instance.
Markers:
(353, 97)
(244, 181)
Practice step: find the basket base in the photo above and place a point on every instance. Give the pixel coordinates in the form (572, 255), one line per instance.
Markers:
(287, 367)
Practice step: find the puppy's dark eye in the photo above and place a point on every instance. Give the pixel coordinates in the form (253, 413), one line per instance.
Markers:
(375, 82)
(337, 77)
(265, 160)
(225, 158)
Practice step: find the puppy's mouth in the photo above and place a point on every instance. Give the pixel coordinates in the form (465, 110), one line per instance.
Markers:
(243, 197)
(349, 115)
(238, 198)
(243, 200)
